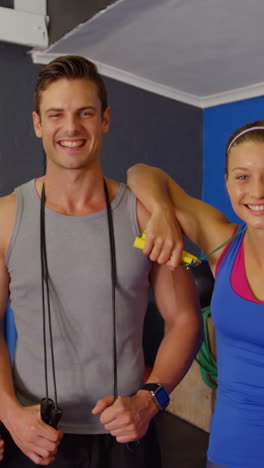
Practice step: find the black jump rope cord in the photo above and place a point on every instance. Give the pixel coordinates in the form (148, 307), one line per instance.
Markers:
(46, 310)
(43, 293)
(114, 279)
(45, 283)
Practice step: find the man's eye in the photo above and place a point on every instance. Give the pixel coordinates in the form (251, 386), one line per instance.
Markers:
(86, 114)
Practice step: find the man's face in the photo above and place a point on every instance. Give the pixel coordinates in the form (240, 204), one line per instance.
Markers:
(71, 124)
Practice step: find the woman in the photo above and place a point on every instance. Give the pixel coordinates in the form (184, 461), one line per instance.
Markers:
(237, 428)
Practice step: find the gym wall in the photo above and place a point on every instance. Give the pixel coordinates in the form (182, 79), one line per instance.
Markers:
(20, 151)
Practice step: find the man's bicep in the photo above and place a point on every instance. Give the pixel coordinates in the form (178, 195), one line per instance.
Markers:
(4, 288)
(175, 293)
(7, 220)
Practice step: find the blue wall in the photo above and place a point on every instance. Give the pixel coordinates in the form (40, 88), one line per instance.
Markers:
(219, 123)
(10, 332)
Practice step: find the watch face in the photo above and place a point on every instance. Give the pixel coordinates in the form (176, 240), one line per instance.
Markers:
(162, 397)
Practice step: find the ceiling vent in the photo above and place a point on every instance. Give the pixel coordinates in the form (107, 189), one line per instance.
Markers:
(25, 24)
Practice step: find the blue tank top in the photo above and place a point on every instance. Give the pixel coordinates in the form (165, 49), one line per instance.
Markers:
(237, 427)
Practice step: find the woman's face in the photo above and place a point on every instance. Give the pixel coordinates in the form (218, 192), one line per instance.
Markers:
(245, 182)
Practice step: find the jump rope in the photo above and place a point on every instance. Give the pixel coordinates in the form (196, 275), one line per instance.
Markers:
(188, 260)
(50, 411)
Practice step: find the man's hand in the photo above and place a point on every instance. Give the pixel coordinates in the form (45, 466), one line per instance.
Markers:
(127, 418)
(1, 448)
(164, 238)
(36, 440)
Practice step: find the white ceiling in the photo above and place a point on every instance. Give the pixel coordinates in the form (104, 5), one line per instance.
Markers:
(202, 52)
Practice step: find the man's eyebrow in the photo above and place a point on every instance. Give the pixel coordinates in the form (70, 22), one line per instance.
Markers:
(87, 107)
(58, 109)
(54, 109)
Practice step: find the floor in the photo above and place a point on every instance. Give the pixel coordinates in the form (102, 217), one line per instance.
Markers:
(182, 444)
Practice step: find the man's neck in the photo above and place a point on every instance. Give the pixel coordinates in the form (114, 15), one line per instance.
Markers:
(76, 194)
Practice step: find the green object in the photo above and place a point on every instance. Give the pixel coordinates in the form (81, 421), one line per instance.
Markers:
(205, 359)
(204, 257)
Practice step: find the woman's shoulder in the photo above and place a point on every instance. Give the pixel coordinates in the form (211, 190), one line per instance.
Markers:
(220, 242)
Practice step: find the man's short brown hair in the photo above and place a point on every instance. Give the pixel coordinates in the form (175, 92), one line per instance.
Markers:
(70, 67)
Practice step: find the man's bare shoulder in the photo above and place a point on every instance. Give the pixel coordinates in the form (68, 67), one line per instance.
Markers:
(7, 219)
(7, 206)
(8, 200)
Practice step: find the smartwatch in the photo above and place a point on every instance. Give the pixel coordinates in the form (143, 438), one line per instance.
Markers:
(158, 393)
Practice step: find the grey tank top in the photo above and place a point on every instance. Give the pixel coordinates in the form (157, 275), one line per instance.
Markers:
(80, 287)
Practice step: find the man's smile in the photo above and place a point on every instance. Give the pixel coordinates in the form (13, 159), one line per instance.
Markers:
(76, 143)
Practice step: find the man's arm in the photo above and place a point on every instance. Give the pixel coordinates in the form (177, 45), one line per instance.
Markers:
(176, 299)
(2, 448)
(7, 393)
(36, 440)
(170, 206)
(128, 418)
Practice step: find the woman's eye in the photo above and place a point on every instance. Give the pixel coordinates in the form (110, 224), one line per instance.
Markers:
(242, 177)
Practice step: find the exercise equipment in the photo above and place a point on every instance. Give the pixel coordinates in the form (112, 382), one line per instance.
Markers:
(187, 258)
(50, 411)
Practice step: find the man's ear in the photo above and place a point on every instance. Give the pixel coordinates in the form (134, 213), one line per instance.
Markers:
(37, 124)
(106, 119)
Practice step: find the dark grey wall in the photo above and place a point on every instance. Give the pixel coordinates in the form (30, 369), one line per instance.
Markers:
(20, 151)
(156, 130)
(74, 13)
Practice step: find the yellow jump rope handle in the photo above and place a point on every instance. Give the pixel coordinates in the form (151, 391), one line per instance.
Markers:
(140, 241)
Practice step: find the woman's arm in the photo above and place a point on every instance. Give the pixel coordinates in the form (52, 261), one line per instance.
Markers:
(172, 208)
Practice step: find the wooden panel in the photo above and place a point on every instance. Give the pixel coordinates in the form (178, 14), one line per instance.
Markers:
(192, 400)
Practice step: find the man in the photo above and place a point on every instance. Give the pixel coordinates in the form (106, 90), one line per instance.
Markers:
(71, 246)
(1, 448)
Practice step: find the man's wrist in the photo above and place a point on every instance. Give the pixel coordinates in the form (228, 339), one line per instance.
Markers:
(158, 393)
(10, 406)
(148, 402)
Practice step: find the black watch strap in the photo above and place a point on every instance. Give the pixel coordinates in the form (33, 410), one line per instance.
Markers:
(151, 387)
(158, 393)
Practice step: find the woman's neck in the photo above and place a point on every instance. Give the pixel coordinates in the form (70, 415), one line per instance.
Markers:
(254, 244)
